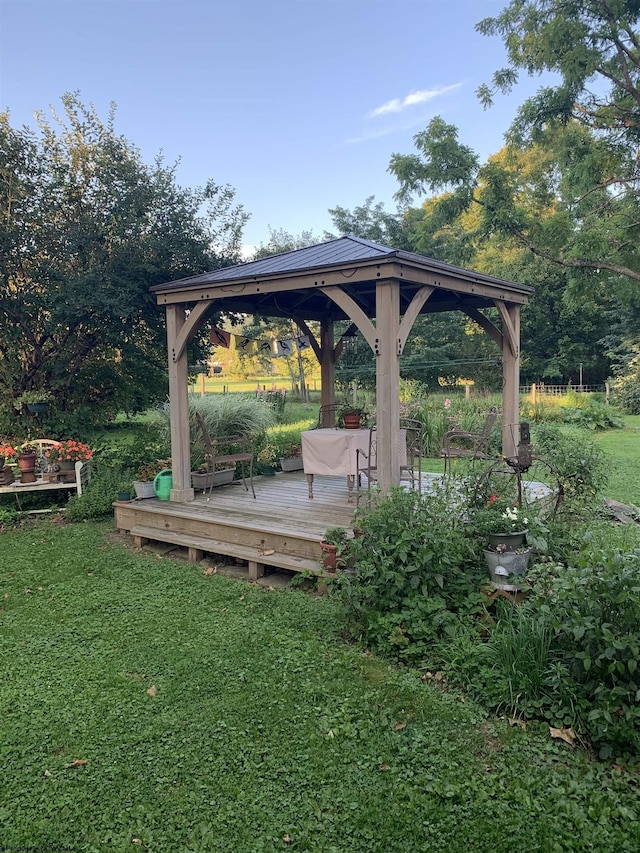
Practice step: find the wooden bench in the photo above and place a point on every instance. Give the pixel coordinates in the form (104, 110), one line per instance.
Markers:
(75, 481)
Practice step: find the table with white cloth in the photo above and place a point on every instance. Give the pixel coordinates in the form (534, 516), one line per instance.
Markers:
(335, 451)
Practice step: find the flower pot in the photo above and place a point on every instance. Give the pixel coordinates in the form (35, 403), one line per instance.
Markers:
(505, 566)
(67, 465)
(143, 489)
(268, 471)
(124, 496)
(201, 482)
(36, 408)
(330, 558)
(27, 466)
(351, 421)
(293, 463)
(507, 541)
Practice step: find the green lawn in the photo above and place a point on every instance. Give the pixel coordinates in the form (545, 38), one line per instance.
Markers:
(623, 448)
(265, 733)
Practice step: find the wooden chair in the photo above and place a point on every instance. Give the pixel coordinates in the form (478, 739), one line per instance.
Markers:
(227, 449)
(473, 445)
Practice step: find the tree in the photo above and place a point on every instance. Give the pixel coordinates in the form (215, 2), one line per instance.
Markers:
(86, 228)
(588, 123)
(558, 335)
(371, 222)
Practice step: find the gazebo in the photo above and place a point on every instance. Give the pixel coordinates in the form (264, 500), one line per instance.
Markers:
(379, 289)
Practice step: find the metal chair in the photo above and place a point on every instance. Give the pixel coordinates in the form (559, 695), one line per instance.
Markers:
(227, 450)
(475, 445)
(412, 471)
(366, 465)
(327, 416)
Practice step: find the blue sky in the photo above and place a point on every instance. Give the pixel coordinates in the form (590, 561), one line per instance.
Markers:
(298, 104)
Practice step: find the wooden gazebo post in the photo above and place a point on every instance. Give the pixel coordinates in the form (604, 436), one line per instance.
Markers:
(510, 377)
(179, 404)
(388, 382)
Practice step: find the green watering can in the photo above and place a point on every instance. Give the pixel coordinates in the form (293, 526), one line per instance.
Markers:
(163, 484)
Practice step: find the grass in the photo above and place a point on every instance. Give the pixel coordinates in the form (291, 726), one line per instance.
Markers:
(623, 448)
(265, 733)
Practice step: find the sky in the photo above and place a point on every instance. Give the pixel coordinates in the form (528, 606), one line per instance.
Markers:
(297, 104)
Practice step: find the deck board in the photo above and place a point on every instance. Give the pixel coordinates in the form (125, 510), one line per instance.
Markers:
(281, 517)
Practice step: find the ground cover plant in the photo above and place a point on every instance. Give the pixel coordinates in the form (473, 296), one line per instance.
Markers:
(147, 705)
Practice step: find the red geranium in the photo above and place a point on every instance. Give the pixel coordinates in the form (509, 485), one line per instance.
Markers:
(69, 450)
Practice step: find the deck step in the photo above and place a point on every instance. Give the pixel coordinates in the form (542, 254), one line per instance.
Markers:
(199, 545)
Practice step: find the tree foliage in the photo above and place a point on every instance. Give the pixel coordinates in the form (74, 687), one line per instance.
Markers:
(586, 126)
(86, 228)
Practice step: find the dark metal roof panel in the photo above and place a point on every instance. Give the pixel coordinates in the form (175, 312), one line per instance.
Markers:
(339, 251)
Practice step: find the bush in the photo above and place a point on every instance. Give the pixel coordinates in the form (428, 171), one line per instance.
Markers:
(579, 465)
(626, 390)
(595, 416)
(593, 608)
(416, 578)
(96, 500)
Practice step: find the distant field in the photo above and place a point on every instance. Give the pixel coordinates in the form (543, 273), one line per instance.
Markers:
(222, 385)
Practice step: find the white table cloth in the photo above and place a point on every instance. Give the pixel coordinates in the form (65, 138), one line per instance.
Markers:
(335, 452)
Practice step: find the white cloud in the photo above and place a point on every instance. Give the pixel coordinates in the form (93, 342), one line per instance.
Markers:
(398, 105)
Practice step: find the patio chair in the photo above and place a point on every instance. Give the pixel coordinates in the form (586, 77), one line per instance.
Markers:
(227, 450)
(366, 465)
(458, 443)
(327, 416)
(412, 471)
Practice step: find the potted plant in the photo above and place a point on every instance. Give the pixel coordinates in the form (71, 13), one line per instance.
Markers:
(352, 416)
(146, 474)
(505, 527)
(27, 455)
(34, 401)
(67, 452)
(7, 451)
(203, 479)
(291, 457)
(333, 544)
(267, 457)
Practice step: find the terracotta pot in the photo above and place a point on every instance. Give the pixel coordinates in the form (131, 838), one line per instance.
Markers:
(351, 421)
(330, 559)
(27, 461)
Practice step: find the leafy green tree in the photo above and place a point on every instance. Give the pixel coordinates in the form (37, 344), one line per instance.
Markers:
(86, 228)
(371, 222)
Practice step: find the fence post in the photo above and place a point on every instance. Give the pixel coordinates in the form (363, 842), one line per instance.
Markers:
(533, 393)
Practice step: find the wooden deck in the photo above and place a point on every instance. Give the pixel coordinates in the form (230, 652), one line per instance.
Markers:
(281, 528)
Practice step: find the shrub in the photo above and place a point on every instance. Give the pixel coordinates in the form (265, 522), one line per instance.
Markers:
(96, 500)
(579, 464)
(626, 389)
(595, 416)
(593, 607)
(416, 578)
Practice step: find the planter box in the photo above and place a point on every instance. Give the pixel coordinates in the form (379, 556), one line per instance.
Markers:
(143, 489)
(294, 463)
(202, 482)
